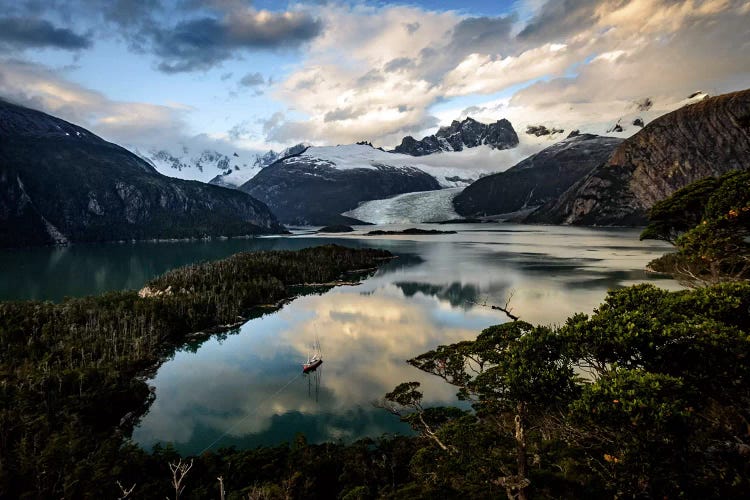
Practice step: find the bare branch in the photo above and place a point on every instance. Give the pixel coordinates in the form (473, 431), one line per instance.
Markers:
(179, 471)
(125, 491)
(504, 309)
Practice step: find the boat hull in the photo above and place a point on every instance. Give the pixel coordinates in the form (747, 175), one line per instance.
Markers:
(311, 367)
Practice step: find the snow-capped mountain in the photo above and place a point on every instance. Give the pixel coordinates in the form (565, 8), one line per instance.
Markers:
(459, 136)
(235, 177)
(228, 167)
(188, 162)
(316, 186)
(450, 169)
(61, 183)
(319, 184)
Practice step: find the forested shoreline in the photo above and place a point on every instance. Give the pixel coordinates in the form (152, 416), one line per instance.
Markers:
(71, 374)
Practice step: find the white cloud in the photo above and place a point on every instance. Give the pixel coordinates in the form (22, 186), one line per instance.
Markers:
(139, 125)
(371, 77)
(375, 73)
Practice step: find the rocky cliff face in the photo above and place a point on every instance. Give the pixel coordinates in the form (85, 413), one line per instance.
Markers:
(317, 186)
(538, 179)
(61, 183)
(459, 135)
(704, 139)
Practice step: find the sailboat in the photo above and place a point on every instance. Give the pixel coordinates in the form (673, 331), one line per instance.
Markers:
(314, 360)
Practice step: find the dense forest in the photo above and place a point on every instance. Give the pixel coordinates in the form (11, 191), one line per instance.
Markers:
(647, 397)
(71, 374)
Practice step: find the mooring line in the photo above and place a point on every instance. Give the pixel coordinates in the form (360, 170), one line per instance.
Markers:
(249, 414)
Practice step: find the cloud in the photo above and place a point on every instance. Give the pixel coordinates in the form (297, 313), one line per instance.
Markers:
(26, 32)
(690, 48)
(381, 72)
(411, 28)
(398, 64)
(560, 18)
(484, 74)
(273, 122)
(377, 71)
(482, 34)
(121, 122)
(340, 114)
(185, 35)
(202, 43)
(252, 80)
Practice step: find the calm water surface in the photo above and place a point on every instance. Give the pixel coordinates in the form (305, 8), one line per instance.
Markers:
(246, 383)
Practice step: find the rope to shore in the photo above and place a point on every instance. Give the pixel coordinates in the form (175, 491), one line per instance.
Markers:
(258, 406)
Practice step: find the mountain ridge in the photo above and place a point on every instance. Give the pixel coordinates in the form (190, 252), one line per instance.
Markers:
(537, 179)
(61, 183)
(706, 138)
(317, 185)
(457, 136)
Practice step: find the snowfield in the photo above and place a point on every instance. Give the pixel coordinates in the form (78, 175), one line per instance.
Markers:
(424, 206)
(451, 169)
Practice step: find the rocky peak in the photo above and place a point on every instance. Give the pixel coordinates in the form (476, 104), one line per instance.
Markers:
(61, 183)
(459, 135)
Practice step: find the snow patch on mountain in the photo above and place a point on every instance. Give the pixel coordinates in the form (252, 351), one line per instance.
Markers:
(451, 169)
(236, 177)
(409, 208)
(190, 163)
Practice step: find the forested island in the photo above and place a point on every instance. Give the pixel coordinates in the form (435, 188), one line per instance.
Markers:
(648, 397)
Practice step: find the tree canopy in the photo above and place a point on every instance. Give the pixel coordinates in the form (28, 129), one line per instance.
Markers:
(709, 223)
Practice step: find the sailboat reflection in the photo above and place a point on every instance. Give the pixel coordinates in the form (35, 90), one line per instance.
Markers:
(312, 369)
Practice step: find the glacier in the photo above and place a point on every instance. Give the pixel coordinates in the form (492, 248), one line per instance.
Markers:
(408, 208)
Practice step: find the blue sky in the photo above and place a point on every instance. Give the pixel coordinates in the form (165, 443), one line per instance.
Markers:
(161, 73)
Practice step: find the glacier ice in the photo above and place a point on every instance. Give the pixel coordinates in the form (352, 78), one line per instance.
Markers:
(407, 208)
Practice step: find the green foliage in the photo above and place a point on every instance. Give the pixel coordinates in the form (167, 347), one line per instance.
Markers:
(660, 406)
(648, 397)
(709, 222)
(636, 428)
(680, 212)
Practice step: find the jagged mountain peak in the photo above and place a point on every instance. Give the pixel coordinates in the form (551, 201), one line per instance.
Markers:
(460, 135)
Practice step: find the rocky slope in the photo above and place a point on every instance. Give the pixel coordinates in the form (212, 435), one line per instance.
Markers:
(537, 179)
(316, 186)
(468, 133)
(707, 138)
(61, 183)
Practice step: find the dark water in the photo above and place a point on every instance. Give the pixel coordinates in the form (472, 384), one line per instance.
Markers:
(247, 384)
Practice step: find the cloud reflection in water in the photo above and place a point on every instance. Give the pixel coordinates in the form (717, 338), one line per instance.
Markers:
(368, 331)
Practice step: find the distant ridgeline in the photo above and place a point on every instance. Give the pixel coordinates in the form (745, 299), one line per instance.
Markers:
(593, 180)
(60, 183)
(71, 374)
(708, 138)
